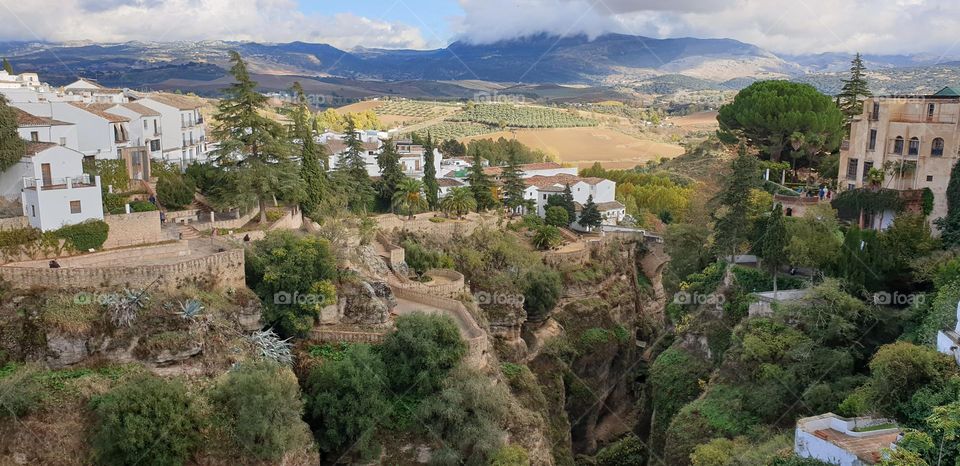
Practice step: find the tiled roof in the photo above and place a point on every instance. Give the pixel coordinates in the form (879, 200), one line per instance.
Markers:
(100, 110)
(34, 148)
(612, 205)
(449, 183)
(176, 101)
(527, 167)
(29, 119)
(336, 146)
(141, 109)
(550, 181)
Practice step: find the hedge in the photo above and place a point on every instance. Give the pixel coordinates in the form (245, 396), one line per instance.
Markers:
(84, 236)
(142, 206)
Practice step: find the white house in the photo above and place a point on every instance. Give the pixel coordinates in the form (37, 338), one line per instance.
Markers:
(88, 91)
(948, 341)
(20, 81)
(44, 129)
(535, 169)
(101, 135)
(412, 156)
(447, 184)
(145, 135)
(52, 187)
(844, 442)
(184, 137)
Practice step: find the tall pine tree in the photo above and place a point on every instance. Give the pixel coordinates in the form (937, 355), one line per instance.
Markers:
(352, 171)
(254, 149)
(590, 217)
(854, 90)
(513, 185)
(7, 66)
(430, 185)
(12, 147)
(480, 185)
(311, 167)
(391, 174)
(773, 245)
(732, 224)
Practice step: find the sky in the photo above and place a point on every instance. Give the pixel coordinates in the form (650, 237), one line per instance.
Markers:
(782, 26)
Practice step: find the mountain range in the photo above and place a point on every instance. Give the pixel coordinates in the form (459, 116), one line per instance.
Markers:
(607, 61)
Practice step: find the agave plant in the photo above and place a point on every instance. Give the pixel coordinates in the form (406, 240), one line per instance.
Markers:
(124, 306)
(190, 309)
(272, 347)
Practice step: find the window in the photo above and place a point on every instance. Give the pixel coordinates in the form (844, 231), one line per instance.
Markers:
(866, 170)
(63, 141)
(929, 178)
(931, 109)
(852, 167)
(33, 210)
(146, 124)
(74, 207)
(936, 149)
(876, 111)
(873, 140)
(35, 136)
(914, 146)
(898, 145)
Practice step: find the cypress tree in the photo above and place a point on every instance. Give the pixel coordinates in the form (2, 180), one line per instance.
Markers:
(590, 215)
(773, 245)
(513, 185)
(568, 202)
(311, 168)
(950, 225)
(732, 224)
(854, 89)
(430, 185)
(12, 147)
(480, 185)
(7, 66)
(390, 172)
(253, 148)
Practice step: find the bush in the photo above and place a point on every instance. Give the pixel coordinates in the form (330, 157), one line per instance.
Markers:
(84, 236)
(275, 214)
(511, 455)
(543, 290)
(19, 390)
(346, 401)
(421, 259)
(557, 216)
(148, 421)
(422, 350)
(12, 240)
(624, 452)
(259, 407)
(142, 206)
(175, 191)
(111, 172)
(113, 203)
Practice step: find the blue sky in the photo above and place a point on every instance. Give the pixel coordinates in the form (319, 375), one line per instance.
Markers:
(781, 26)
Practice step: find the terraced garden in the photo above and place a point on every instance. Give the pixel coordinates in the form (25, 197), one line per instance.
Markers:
(520, 116)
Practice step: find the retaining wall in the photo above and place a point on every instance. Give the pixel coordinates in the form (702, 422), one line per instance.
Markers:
(338, 336)
(452, 287)
(475, 337)
(133, 229)
(396, 255)
(232, 224)
(12, 223)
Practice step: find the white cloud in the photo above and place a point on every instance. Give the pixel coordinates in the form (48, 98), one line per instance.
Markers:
(168, 20)
(788, 26)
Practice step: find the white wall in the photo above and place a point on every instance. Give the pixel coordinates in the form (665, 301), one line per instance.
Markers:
(807, 445)
(53, 133)
(94, 134)
(11, 180)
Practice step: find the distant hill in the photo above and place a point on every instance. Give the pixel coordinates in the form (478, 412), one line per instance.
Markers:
(608, 62)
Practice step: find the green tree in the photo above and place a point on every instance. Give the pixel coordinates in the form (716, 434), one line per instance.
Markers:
(547, 237)
(557, 216)
(854, 90)
(453, 148)
(950, 225)
(254, 148)
(391, 173)
(946, 421)
(815, 238)
(773, 246)
(147, 421)
(409, 196)
(543, 290)
(7, 66)
(480, 185)
(627, 451)
(767, 113)
(590, 215)
(732, 224)
(423, 349)
(12, 146)
(353, 179)
(313, 157)
(346, 402)
(284, 264)
(898, 371)
(259, 408)
(459, 201)
(175, 191)
(513, 185)
(430, 173)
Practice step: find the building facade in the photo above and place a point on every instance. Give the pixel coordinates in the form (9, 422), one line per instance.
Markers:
(913, 140)
(184, 135)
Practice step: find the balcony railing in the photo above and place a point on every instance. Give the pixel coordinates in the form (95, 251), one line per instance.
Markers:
(82, 181)
(905, 117)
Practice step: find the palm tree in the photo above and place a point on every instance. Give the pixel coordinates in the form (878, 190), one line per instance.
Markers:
(547, 237)
(460, 200)
(409, 195)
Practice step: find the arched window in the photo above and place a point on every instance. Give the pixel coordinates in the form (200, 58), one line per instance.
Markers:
(914, 146)
(898, 145)
(936, 149)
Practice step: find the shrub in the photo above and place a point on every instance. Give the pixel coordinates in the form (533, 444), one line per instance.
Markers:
(543, 290)
(422, 350)
(421, 259)
(624, 452)
(113, 203)
(175, 191)
(84, 236)
(12, 240)
(547, 237)
(346, 400)
(259, 407)
(275, 214)
(142, 206)
(147, 421)
(19, 390)
(111, 172)
(557, 216)
(511, 455)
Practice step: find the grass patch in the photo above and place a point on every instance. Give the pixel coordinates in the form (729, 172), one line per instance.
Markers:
(886, 425)
(65, 314)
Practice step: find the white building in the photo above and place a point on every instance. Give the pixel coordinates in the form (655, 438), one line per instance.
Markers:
(44, 129)
(145, 134)
(101, 135)
(412, 156)
(52, 187)
(446, 185)
(184, 137)
(844, 442)
(30, 81)
(948, 341)
(89, 92)
(540, 188)
(535, 169)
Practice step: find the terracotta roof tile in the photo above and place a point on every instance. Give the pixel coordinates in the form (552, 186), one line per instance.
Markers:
(141, 109)
(29, 119)
(100, 110)
(34, 148)
(181, 102)
(449, 183)
(526, 167)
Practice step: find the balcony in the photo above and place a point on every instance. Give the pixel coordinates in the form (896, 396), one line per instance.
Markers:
(906, 117)
(873, 116)
(82, 181)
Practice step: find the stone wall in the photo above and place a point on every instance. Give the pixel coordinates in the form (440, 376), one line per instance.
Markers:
(232, 224)
(12, 223)
(293, 220)
(181, 216)
(450, 284)
(223, 269)
(133, 229)
(556, 258)
(475, 337)
(338, 336)
(396, 255)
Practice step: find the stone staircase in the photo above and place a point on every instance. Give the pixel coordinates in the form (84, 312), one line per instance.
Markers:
(187, 232)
